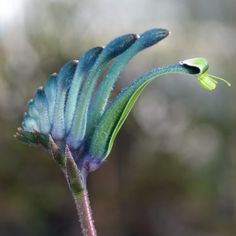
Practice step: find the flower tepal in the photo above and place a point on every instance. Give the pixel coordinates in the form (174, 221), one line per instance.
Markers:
(69, 114)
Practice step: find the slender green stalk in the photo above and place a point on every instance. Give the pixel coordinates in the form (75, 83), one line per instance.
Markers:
(77, 183)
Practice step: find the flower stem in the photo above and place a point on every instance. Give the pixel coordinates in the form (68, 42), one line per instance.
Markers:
(77, 183)
(85, 213)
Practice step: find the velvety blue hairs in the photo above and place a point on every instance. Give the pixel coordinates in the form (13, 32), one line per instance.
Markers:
(68, 109)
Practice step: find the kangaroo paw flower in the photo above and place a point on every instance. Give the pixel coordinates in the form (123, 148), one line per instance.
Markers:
(71, 117)
(71, 112)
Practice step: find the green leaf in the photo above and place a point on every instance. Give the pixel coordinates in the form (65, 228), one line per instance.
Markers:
(32, 138)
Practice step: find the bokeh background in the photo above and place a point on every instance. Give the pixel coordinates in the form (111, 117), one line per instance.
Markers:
(172, 170)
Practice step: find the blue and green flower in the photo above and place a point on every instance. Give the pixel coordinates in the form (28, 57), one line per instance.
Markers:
(71, 112)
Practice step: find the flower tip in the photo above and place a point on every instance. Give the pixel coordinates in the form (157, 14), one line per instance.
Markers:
(209, 82)
(165, 32)
(75, 61)
(198, 64)
(19, 129)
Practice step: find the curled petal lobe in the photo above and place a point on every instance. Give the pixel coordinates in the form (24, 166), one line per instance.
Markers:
(206, 81)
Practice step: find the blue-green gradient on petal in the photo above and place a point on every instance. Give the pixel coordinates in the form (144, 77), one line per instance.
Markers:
(69, 112)
(79, 123)
(145, 40)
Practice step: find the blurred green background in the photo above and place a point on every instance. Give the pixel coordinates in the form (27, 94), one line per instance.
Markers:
(172, 170)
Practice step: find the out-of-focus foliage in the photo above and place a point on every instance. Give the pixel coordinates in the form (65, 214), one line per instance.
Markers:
(176, 174)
